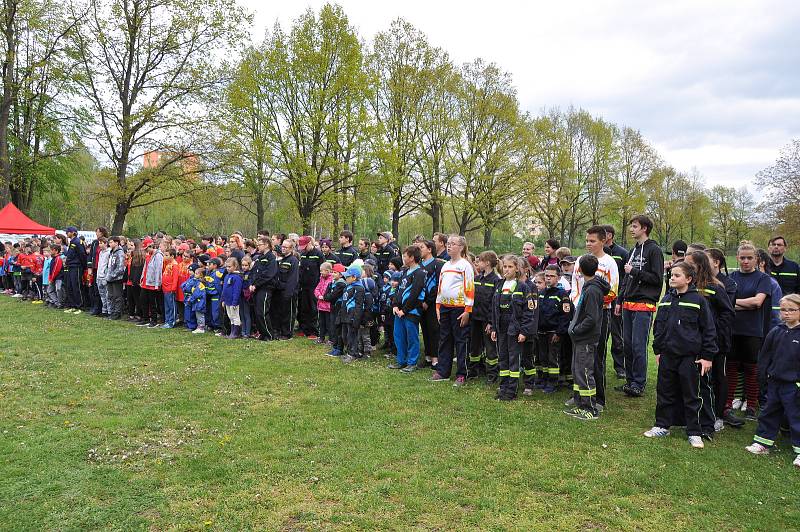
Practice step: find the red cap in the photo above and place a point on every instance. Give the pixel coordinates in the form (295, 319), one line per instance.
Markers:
(304, 240)
(147, 242)
(183, 247)
(339, 268)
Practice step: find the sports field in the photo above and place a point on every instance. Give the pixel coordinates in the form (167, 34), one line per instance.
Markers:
(104, 425)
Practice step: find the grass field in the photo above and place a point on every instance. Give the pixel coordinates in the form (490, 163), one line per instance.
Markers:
(107, 426)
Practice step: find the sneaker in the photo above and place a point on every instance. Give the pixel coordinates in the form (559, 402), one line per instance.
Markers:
(570, 402)
(199, 330)
(460, 381)
(77, 311)
(696, 442)
(142, 323)
(600, 407)
(396, 366)
(167, 326)
(548, 389)
(437, 378)
(37, 302)
(621, 376)
(152, 326)
(69, 311)
(17, 295)
(743, 408)
(347, 359)
(300, 333)
(527, 391)
(409, 369)
(719, 425)
(729, 418)
(750, 414)
(757, 448)
(633, 391)
(506, 397)
(658, 432)
(334, 353)
(582, 414)
(737, 404)
(318, 340)
(796, 462)
(312, 337)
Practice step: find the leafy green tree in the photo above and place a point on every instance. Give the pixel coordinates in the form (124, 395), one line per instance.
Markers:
(147, 68)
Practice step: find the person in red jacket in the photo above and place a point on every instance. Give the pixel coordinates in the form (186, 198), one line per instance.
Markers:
(184, 260)
(169, 285)
(55, 286)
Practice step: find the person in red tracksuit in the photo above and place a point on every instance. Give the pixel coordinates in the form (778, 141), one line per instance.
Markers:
(169, 286)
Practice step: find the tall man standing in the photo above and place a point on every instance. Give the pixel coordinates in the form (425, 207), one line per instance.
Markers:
(785, 271)
(620, 256)
(310, 260)
(644, 271)
(74, 264)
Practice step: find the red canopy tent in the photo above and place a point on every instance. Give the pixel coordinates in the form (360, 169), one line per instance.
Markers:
(13, 221)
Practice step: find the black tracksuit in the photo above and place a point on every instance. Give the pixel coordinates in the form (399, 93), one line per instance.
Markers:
(513, 313)
(787, 275)
(585, 330)
(347, 255)
(351, 315)
(684, 331)
(779, 365)
(482, 350)
(383, 256)
(286, 290)
(428, 321)
(334, 296)
(262, 277)
(555, 311)
(74, 264)
(310, 262)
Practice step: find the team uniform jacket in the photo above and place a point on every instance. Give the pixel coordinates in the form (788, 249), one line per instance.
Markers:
(411, 292)
(332, 258)
(432, 267)
(310, 262)
(787, 275)
(383, 256)
(684, 326)
(555, 310)
(264, 270)
(519, 304)
(75, 256)
(347, 255)
(56, 269)
(723, 312)
(194, 291)
(288, 276)
(213, 283)
(485, 287)
(232, 289)
(779, 358)
(335, 295)
(352, 310)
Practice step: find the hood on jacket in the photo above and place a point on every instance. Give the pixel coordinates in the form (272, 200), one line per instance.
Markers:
(601, 283)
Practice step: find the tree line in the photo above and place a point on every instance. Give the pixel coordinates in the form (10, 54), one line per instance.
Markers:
(316, 127)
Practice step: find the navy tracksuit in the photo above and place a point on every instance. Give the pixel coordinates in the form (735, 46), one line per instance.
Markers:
(683, 332)
(408, 298)
(482, 350)
(779, 365)
(429, 323)
(513, 313)
(555, 313)
(352, 313)
(334, 295)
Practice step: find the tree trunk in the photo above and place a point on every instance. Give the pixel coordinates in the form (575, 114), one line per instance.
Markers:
(9, 14)
(487, 236)
(396, 221)
(120, 212)
(260, 210)
(436, 213)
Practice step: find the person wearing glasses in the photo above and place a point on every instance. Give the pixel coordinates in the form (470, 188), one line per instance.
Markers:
(779, 363)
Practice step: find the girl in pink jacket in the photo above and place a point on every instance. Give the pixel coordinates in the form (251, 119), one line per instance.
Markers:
(325, 325)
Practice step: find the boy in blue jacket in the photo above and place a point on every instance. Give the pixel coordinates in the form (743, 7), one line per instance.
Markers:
(194, 290)
(334, 296)
(352, 312)
(232, 295)
(555, 312)
(213, 283)
(779, 365)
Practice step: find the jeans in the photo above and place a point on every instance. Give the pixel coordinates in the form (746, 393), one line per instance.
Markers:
(169, 308)
(636, 331)
(246, 316)
(406, 338)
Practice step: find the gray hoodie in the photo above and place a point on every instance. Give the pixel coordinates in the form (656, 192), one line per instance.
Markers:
(152, 275)
(588, 318)
(116, 266)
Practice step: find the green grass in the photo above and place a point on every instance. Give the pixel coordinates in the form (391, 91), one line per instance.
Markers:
(105, 425)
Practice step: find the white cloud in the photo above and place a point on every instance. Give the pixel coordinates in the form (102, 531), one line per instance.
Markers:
(714, 85)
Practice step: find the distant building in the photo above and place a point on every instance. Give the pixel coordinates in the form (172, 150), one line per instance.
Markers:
(189, 162)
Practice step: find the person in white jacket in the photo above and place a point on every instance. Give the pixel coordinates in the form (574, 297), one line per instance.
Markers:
(102, 272)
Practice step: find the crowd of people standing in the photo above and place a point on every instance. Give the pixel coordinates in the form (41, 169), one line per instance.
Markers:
(723, 341)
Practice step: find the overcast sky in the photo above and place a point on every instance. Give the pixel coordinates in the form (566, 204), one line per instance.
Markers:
(713, 85)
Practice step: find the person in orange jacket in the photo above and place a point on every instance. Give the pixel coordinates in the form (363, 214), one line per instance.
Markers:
(169, 285)
(184, 258)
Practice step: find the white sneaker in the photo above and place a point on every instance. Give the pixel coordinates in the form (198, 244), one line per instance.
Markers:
(757, 448)
(796, 462)
(719, 425)
(696, 442)
(17, 295)
(737, 404)
(744, 406)
(198, 331)
(657, 432)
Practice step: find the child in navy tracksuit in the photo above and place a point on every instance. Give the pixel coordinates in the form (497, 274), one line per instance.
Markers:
(482, 350)
(194, 290)
(246, 301)
(407, 309)
(232, 295)
(684, 342)
(352, 313)
(779, 364)
(388, 291)
(213, 283)
(513, 322)
(555, 313)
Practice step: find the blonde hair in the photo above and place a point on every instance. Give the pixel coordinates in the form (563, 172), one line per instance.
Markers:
(563, 252)
(463, 243)
(791, 298)
(325, 266)
(745, 245)
(518, 263)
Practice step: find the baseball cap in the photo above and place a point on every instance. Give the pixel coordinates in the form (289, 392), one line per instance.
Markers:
(325, 241)
(202, 259)
(568, 259)
(147, 242)
(71, 229)
(193, 267)
(183, 247)
(339, 268)
(304, 240)
(385, 234)
(353, 272)
(396, 276)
